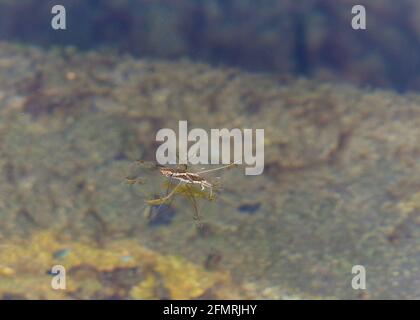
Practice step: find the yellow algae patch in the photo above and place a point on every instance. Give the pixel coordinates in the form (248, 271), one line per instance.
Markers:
(184, 280)
(145, 289)
(93, 272)
(410, 205)
(6, 271)
(29, 287)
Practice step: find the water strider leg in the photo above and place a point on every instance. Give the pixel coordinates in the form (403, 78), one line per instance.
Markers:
(168, 195)
(196, 215)
(133, 180)
(171, 193)
(219, 168)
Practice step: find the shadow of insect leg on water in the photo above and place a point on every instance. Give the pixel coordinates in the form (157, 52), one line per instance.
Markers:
(160, 205)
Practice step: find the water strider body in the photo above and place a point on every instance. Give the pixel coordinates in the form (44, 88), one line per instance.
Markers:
(181, 174)
(185, 176)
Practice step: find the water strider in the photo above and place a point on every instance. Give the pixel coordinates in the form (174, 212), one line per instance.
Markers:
(187, 180)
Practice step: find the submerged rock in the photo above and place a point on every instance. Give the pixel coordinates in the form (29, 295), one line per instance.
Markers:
(340, 186)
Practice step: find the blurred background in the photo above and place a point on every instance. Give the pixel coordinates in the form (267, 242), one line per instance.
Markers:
(308, 37)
